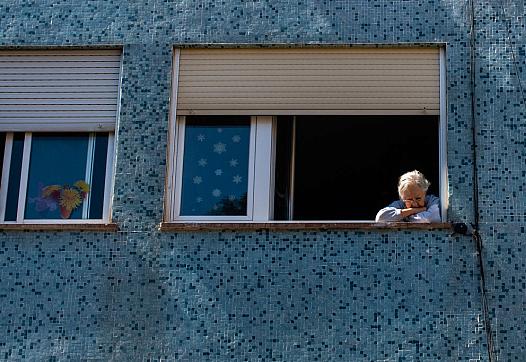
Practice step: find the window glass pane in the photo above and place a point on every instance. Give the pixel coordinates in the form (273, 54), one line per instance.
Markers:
(57, 186)
(215, 166)
(15, 168)
(98, 177)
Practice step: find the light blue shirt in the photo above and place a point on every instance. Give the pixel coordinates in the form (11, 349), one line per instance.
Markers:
(392, 213)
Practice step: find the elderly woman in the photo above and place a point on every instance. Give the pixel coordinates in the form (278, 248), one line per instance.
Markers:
(414, 205)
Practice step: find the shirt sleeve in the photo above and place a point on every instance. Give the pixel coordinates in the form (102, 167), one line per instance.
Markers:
(431, 215)
(391, 213)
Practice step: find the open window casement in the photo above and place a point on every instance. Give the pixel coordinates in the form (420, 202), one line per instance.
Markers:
(58, 112)
(330, 130)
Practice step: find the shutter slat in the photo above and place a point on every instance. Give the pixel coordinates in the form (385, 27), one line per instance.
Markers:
(5, 57)
(60, 53)
(308, 64)
(311, 52)
(59, 82)
(278, 92)
(23, 102)
(63, 76)
(62, 96)
(249, 69)
(302, 82)
(48, 63)
(65, 120)
(310, 102)
(326, 112)
(57, 107)
(320, 74)
(86, 70)
(71, 89)
(57, 114)
(306, 58)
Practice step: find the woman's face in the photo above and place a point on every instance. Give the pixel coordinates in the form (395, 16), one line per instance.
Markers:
(413, 196)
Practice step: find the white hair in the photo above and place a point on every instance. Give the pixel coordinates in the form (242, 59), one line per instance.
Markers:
(412, 178)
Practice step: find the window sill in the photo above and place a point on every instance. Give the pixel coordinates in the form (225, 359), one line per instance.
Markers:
(111, 227)
(286, 226)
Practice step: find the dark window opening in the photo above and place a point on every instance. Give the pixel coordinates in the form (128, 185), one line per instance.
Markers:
(99, 176)
(2, 147)
(347, 167)
(283, 169)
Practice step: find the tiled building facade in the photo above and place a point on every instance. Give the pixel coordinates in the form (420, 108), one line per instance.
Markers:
(301, 295)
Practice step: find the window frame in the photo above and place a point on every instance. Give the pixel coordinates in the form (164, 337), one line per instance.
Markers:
(442, 137)
(265, 143)
(22, 195)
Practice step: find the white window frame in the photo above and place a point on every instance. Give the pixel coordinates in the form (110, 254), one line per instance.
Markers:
(442, 138)
(22, 191)
(258, 193)
(262, 191)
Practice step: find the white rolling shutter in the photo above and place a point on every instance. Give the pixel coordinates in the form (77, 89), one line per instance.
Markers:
(306, 81)
(50, 90)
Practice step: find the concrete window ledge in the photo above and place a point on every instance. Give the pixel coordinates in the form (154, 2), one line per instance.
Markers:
(298, 226)
(59, 227)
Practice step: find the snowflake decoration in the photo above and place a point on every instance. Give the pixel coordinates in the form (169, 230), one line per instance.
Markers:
(237, 179)
(236, 138)
(215, 207)
(219, 130)
(218, 172)
(198, 199)
(201, 137)
(216, 193)
(233, 162)
(219, 148)
(197, 180)
(202, 162)
(232, 197)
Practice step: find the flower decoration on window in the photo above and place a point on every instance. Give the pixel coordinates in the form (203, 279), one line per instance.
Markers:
(66, 197)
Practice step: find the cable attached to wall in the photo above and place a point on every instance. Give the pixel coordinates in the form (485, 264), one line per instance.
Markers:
(475, 233)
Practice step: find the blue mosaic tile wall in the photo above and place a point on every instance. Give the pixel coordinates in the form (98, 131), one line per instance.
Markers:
(501, 110)
(303, 296)
(139, 294)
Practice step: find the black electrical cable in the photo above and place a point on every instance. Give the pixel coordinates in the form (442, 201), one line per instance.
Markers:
(475, 233)
(485, 309)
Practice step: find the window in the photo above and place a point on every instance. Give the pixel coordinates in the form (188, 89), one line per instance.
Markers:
(327, 133)
(58, 113)
(55, 177)
(216, 156)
